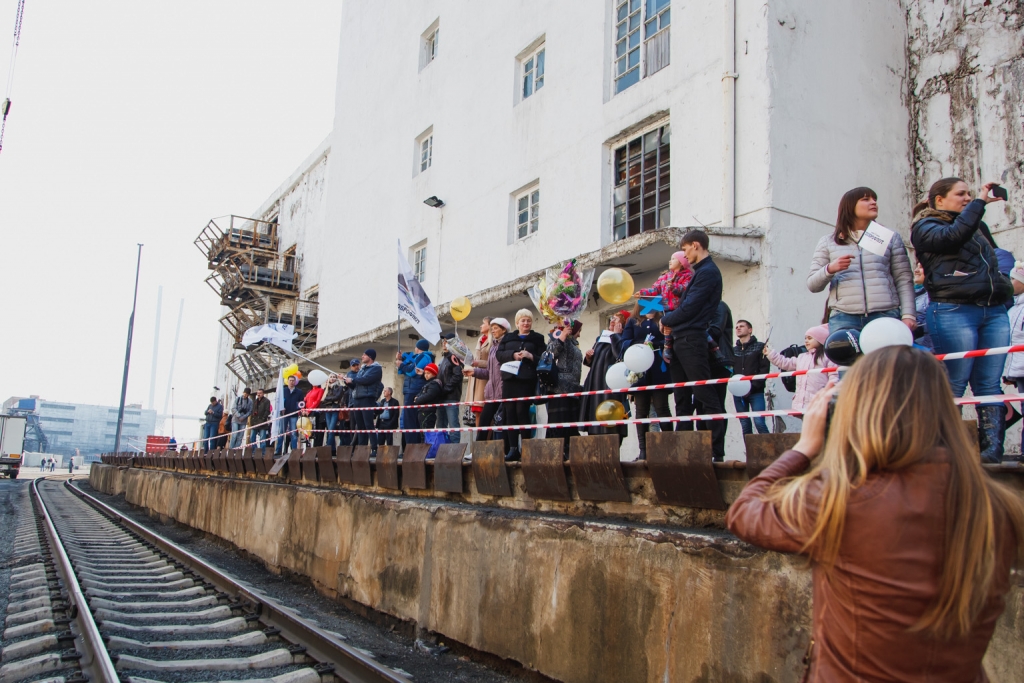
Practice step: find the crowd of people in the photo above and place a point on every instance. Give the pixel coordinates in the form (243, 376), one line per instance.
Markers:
(955, 294)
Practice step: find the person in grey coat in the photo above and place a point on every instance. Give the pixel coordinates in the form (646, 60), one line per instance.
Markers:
(862, 285)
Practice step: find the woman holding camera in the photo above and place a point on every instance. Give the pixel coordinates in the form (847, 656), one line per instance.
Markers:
(967, 295)
(911, 543)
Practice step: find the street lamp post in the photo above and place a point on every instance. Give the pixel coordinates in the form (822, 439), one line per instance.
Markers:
(127, 357)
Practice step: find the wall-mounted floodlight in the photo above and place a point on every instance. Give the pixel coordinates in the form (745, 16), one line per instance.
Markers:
(433, 202)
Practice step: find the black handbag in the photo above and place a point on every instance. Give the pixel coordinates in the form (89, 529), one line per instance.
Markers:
(547, 371)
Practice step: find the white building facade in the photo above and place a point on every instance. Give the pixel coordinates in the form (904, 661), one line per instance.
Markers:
(605, 129)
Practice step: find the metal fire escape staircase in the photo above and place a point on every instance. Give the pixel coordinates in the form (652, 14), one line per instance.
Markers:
(259, 284)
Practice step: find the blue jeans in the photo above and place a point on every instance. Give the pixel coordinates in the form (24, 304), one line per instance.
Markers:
(838, 320)
(331, 421)
(237, 434)
(258, 436)
(411, 419)
(209, 436)
(288, 424)
(966, 327)
(448, 416)
(751, 403)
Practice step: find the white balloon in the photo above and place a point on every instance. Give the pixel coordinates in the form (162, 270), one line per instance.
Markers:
(639, 357)
(739, 387)
(883, 332)
(617, 376)
(317, 377)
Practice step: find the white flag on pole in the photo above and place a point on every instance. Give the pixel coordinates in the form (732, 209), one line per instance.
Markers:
(275, 333)
(413, 303)
(275, 411)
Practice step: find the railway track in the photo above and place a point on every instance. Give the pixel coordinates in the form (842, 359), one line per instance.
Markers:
(95, 596)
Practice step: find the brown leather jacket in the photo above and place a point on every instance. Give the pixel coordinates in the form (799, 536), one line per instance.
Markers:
(885, 576)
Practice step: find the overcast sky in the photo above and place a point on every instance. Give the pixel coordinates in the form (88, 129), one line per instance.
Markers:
(139, 122)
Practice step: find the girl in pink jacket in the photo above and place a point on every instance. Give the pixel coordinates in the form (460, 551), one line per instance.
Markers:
(671, 284)
(807, 386)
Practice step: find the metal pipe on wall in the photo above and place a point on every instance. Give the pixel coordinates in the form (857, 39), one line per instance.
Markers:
(729, 114)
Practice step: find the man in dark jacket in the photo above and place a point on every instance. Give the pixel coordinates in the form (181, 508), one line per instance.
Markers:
(214, 412)
(293, 396)
(366, 388)
(260, 420)
(689, 322)
(748, 356)
(411, 364)
(450, 374)
(240, 417)
(387, 418)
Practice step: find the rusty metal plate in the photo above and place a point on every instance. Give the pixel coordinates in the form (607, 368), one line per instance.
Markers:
(681, 469)
(324, 466)
(279, 465)
(343, 463)
(295, 465)
(387, 467)
(257, 461)
(448, 467)
(234, 458)
(763, 449)
(247, 463)
(207, 460)
(308, 462)
(544, 469)
(361, 473)
(489, 469)
(414, 465)
(594, 461)
(268, 459)
(219, 462)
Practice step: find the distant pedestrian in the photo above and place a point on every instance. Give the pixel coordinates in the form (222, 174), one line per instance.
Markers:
(648, 327)
(565, 348)
(331, 405)
(430, 392)
(289, 417)
(748, 356)
(214, 413)
(862, 285)
(489, 370)
(240, 417)
(921, 301)
(366, 388)
(807, 386)
(477, 387)
(518, 353)
(450, 374)
(259, 420)
(410, 367)
(606, 351)
(387, 418)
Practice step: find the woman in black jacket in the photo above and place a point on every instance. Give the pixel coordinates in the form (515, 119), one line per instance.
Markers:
(429, 395)
(518, 353)
(606, 352)
(967, 295)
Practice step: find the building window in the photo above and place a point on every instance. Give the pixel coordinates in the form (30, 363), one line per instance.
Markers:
(655, 15)
(431, 45)
(426, 152)
(419, 263)
(533, 72)
(428, 45)
(640, 200)
(527, 213)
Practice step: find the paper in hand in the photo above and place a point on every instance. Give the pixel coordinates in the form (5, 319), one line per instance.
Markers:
(876, 239)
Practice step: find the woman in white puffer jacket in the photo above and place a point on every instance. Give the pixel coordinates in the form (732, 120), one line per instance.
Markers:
(862, 285)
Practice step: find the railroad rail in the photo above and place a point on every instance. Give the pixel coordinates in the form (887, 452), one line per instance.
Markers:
(107, 600)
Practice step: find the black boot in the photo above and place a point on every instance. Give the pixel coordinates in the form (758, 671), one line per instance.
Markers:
(990, 431)
(641, 437)
(513, 455)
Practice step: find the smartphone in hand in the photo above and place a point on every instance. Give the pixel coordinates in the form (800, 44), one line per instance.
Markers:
(1000, 192)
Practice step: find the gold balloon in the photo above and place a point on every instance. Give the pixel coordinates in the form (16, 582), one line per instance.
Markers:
(609, 410)
(460, 308)
(615, 286)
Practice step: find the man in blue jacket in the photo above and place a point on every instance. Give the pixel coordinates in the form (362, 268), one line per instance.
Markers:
(689, 321)
(293, 396)
(366, 386)
(411, 364)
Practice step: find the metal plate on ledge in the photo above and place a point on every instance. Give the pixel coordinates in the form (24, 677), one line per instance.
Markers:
(247, 463)
(279, 465)
(387, 467)
(343, 463)
(448, 467)
(308, 462)
(219, 463)
(295, 465)
(361, 473)
(594, 461)
(414, 465)
(681, 469)
(763, 449)
(324, 464)
(489, 469)
(544, 469)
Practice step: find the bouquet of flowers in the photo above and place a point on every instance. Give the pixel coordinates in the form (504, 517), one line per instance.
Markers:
(561, 296)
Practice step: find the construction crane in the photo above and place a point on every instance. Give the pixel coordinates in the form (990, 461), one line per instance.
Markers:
(5, 109)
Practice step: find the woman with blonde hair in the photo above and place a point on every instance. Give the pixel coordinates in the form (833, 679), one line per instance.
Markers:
(910, 541)
(518, 353)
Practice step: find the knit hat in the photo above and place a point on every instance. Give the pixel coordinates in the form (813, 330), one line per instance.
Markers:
(819, 334)
(431, 367)
(422, 345)
(1018, 271)
(681, 257)
(371, 353)
(523, 313)
(502, 322)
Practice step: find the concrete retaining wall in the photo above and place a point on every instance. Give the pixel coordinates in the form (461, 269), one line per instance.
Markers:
(577, 600)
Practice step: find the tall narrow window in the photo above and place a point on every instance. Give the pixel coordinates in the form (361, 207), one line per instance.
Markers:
(627, 43)
(426, 152)
(640, 200)
(431, 45)
(533, 73)
(527, 213)
(419, 262)
(630, 61)
(657, 15)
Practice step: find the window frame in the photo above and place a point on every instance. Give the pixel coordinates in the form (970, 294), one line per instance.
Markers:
(538, 56)
(532, 210)
(426, 147)
(657, 202)
(623, 44)
(430, 44)
(419, 261)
